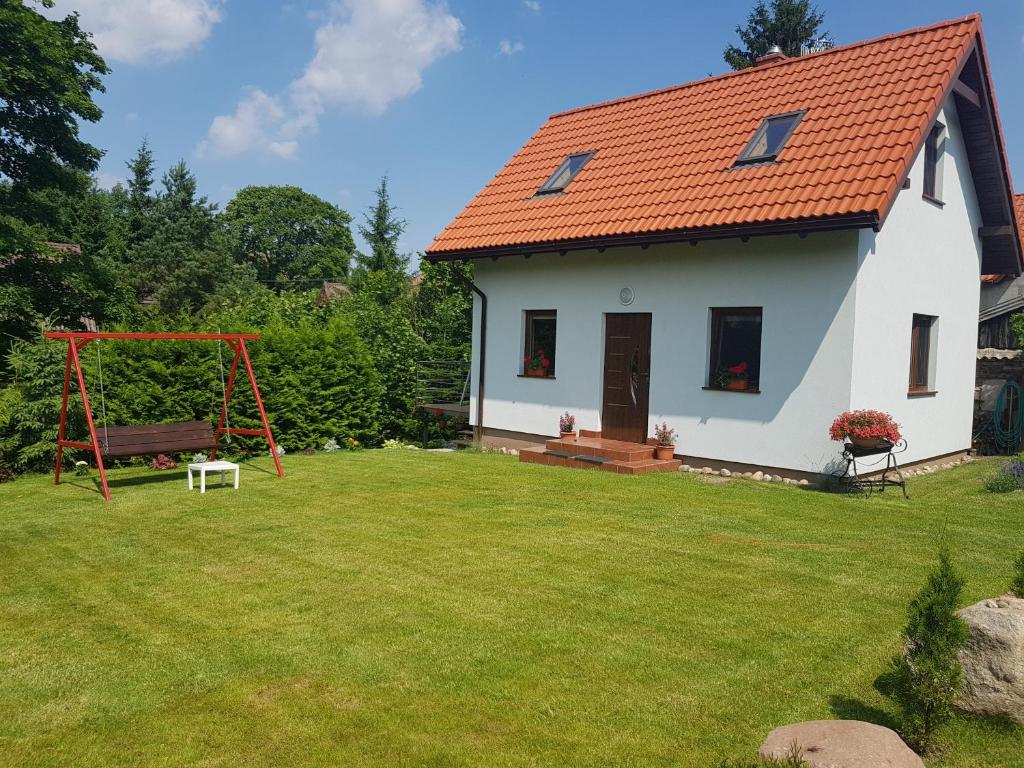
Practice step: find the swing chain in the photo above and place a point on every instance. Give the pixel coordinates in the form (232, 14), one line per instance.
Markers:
(103, 397)
(223, 390)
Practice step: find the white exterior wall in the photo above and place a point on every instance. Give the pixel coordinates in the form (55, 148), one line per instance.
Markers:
(925, 260)
(804, 285)
(836, 327)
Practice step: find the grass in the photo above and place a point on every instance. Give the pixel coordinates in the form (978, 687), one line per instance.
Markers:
(389, 608)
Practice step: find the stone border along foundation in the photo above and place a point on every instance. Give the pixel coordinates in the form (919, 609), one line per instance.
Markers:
(767, 477)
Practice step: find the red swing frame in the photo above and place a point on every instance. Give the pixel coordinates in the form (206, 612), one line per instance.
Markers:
(78, 340)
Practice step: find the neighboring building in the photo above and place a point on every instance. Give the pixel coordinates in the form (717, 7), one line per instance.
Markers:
(821, 220)
(1000, 358)
(331, 292)
(1002, 296)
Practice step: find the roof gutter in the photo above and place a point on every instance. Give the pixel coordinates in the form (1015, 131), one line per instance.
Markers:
(693, 236)
(478, 428)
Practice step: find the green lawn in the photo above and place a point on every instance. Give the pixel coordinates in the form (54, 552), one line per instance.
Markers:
(389, 608)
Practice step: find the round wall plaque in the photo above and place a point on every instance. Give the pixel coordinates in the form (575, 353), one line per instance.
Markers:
(626, 296)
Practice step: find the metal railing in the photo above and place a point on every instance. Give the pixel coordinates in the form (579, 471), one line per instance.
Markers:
(442, 381)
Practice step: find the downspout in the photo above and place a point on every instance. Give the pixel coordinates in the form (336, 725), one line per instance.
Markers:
(479, 426)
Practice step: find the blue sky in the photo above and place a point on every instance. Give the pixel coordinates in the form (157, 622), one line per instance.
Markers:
(331, 94)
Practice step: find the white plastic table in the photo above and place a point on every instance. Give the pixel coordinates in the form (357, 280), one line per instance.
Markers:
(211, 466)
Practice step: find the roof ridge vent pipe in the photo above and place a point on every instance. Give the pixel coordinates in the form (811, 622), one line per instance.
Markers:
(774, 54)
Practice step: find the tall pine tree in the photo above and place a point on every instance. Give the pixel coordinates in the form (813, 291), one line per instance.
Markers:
(382, 272)
(140, 187)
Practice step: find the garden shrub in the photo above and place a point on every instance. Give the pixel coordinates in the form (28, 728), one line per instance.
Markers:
(1009, 478)
(394, 348)
(1017, 586)
(927, 673)
(317, 379)
(30, 407)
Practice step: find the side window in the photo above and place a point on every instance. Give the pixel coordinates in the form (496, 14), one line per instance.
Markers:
(934, 151)
(922, 354)
(735, 362)
(539, 347)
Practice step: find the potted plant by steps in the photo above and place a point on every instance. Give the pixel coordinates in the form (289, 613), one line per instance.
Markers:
(866, 429)
(537, 365)
(567, 426)
(734, 377)
(665, 441)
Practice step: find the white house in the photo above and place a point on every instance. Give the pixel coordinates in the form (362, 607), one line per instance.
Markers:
(820, 222)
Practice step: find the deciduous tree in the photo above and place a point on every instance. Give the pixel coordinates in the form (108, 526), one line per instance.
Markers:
(289, 235)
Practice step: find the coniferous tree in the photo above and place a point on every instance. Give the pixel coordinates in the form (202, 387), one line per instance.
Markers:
(789, 24)
(382, 230)
(927, 672)
(1017, 586)
(187, 256)
(140, 187)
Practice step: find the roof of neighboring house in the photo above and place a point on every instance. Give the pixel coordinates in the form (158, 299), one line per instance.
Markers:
(1018, 205)
(61, 248)
(331, 291)
(663, 166)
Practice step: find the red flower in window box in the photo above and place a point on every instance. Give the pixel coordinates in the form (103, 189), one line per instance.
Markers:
(733, 377)
(537, 364)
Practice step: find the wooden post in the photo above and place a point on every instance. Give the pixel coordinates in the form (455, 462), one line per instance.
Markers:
(259, 404)
(63, 415)
(88, 420)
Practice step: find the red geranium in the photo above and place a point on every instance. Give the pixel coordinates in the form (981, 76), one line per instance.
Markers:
(739, 370)
(865, 424)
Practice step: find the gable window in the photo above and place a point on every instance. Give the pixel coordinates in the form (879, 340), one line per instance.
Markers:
(770, 138)
(539, 347)
(922, 357)
(735, 362)
(565, 173)
(934, 151)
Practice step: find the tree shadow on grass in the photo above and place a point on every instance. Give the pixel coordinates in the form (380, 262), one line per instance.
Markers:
(848, 708)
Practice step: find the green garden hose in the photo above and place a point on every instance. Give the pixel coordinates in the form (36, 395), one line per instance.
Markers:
(1008, 419)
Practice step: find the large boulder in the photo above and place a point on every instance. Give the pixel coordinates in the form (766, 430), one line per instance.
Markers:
(841, 744)
(993, 659)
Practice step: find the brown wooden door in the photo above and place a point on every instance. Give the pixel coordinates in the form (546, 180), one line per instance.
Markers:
(627, 375)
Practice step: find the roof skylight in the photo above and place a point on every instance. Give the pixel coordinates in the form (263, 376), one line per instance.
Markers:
(770, 138)
(565, 173)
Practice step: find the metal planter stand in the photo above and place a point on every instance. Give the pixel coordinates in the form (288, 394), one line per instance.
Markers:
(850, 478)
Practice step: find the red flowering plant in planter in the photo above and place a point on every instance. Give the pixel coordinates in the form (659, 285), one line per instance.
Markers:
(733, 376)
(865, 428)
(537, 364)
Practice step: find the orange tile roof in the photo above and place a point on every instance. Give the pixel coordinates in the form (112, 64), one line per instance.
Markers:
(663, 161)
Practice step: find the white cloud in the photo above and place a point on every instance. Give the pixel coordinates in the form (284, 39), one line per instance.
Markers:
(508, 48)
(533, 6)
(136, 31)
(368, 54)
(252, 126)
(108, 180)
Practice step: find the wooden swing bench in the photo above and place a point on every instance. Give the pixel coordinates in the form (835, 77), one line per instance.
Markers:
(153, 439)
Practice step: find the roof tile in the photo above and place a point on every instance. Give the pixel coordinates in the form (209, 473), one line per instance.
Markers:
(664, 159)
